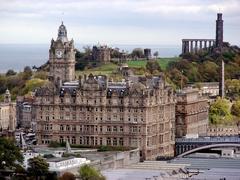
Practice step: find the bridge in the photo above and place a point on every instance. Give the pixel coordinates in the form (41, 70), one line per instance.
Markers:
(184, 146)
(208, 147)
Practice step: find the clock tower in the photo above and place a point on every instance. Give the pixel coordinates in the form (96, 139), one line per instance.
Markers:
(62, 58)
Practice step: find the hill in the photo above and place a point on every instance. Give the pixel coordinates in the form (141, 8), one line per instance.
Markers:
(111, 68)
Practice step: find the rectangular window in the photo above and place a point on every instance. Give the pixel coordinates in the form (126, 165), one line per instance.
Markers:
(121, 141)
(61, 128)
(100, 141)
(121, 129)
(108, 128)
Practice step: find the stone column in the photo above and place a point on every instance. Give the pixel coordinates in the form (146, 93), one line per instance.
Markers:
(183, 43)
(209, 45)
(191, 50)
(205, 44)
(187, 46)
(196, 46)
(200, 45)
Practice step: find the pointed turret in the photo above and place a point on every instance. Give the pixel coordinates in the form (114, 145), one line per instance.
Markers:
(62, 33)
(7, 96)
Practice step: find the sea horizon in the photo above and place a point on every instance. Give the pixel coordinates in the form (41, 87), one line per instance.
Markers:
(17, 56)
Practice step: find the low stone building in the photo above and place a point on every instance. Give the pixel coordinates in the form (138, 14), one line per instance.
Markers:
(101, 54)
(147, 53)
(125, 70)
(7, 113)
(221, 130)
(191, 113)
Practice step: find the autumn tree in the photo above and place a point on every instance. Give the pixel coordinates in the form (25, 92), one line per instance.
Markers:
(219, 112)
(67, 176)
(153, 66)
(90, 173)
(235, 110)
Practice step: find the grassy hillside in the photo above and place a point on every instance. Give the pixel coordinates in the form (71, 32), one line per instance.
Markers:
(107, 69)
(111, 68)
(163, 62)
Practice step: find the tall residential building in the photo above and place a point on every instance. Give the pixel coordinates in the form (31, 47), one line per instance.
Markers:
(25, 113)
(137, 112)
(191, 113)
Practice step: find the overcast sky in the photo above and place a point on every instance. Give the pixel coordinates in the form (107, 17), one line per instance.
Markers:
(161, 22)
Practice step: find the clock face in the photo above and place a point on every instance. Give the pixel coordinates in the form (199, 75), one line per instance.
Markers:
(59, 54)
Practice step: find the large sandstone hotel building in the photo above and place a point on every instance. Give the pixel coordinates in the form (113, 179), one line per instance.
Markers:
(137, 112)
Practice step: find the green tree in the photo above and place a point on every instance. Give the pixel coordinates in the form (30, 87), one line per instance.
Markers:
(137, 52)
(41, 75)
(233, 88)
(10, 72)
(38, 167)
(153, 66)
(235, 110)
(32, 84)
(10, 155)
(209, 71)
(27, 73)
(89, 173)
(3, 82)
(156, 54)
(219, 112)
(177, 78)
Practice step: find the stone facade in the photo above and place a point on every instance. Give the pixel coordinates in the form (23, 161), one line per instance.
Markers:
(147, 53)
(191, 113)
(7, 113)
(25, 113)
(62, 58)
(101, 54)
(97, 112)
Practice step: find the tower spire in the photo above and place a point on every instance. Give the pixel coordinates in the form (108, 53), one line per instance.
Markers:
(62, 33)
